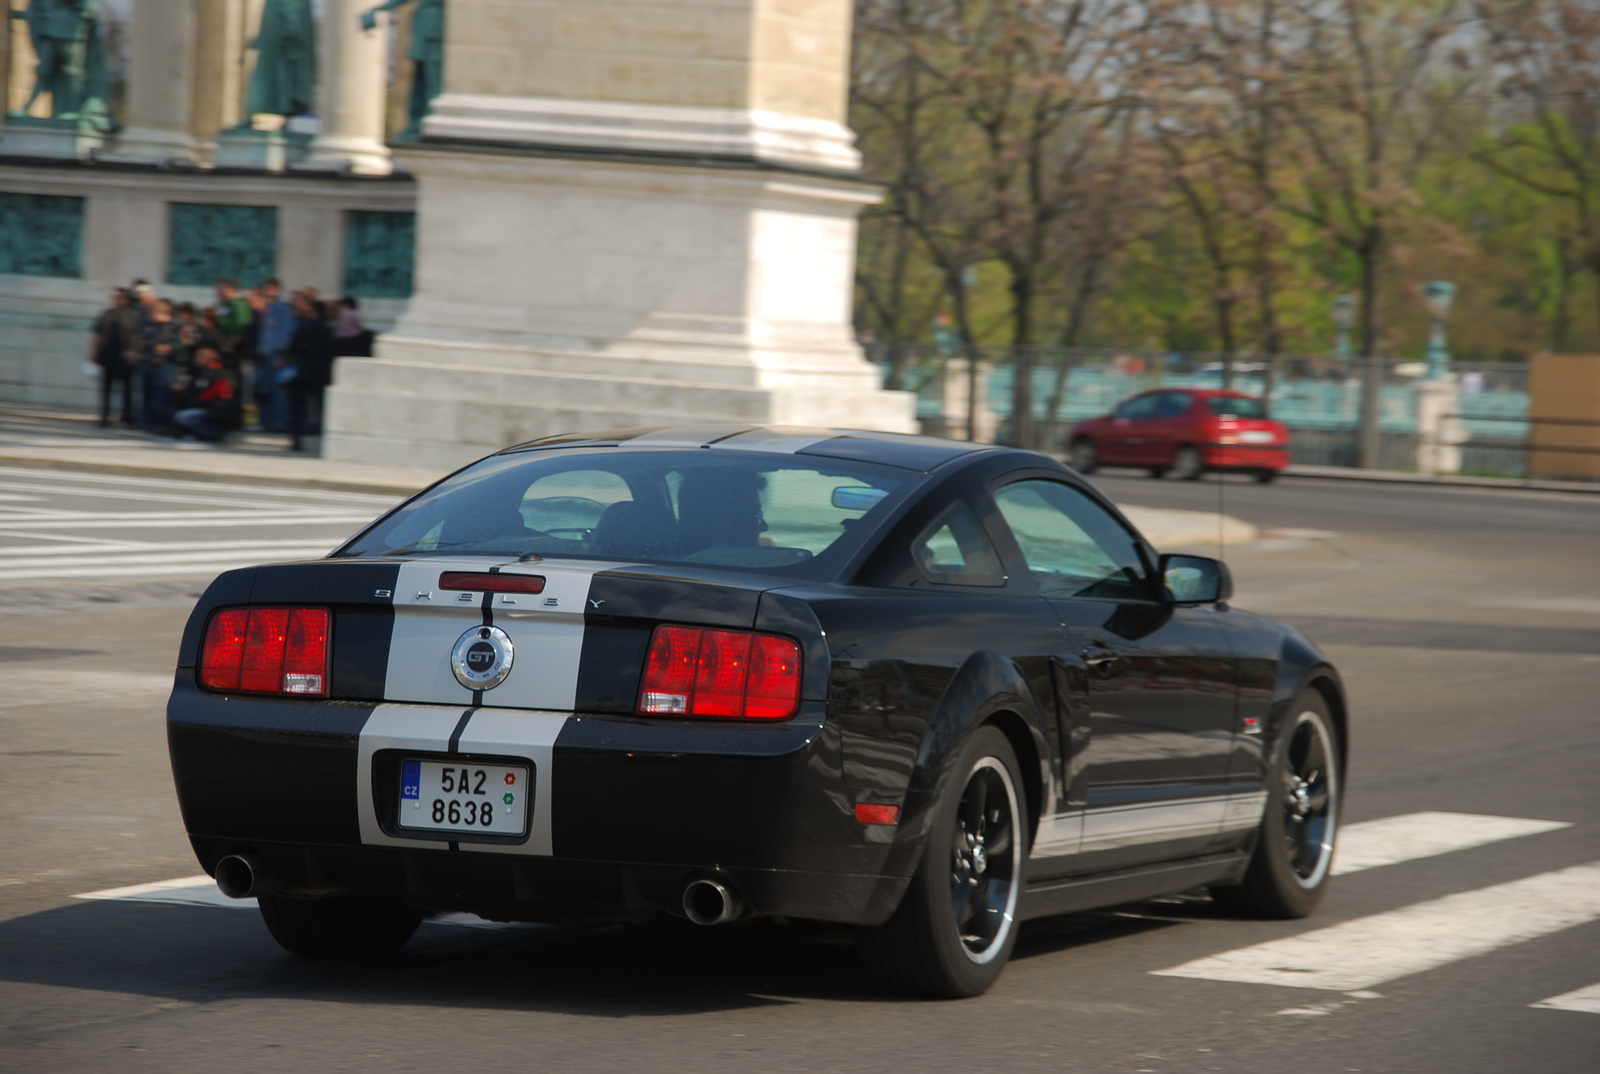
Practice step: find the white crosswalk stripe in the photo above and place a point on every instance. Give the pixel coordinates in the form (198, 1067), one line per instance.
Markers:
(202, 891)
(1368, 951)
(68, 526)
(1393, 840)
(1584, 1000)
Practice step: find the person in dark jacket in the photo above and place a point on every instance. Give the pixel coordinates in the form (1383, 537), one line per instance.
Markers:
(114, 347)
(210, 406)
(157, 364)
(310, 357)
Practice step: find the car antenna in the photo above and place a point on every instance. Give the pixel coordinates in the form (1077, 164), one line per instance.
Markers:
(1220, 502)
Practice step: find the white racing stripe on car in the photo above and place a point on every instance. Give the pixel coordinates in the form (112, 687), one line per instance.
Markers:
(1392, 840)
(428, 728)
(423, 728)
(507, 732)
(1108, 828)
(1369, 951)
(546, 632)
(1583, 1000)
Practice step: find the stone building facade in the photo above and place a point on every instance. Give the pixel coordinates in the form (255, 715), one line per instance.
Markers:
(626, 212)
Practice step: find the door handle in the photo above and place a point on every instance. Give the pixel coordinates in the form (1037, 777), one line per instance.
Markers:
(1101, 661)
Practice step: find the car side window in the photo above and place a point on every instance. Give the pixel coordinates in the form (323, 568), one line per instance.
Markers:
(1073, 546)
(1143, 406)
(954, 550)
(1172, 405)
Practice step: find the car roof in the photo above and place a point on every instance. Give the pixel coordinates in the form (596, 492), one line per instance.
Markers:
(1198, 392)
(901, 450)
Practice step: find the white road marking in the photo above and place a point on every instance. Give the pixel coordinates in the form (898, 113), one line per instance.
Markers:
(142, 566)
(173, 547)
(1409, 836)
(1583, 1000)
(202, 891)
(1368, 951)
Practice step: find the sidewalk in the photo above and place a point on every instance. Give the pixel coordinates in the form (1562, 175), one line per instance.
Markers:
(74, 442)
(1401, 477)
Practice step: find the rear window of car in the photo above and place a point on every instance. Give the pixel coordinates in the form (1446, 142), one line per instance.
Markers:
(1232, 406)
(751, 511)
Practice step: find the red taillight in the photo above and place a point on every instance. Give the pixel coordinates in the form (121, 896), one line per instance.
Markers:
(872, 813)
(733, 674)
(267, 651)
(492, 583)
(224, 649)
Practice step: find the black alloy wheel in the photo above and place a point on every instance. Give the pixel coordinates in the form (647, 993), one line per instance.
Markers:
(1187, 463)
(1293, 859)
(954, 930)
(1085, 456)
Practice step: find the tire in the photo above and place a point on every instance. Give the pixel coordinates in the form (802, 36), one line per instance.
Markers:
(1289, 871)
(954, 930)
(1266, 477)
(1085, 456)
(1187, 463)
(346, 927)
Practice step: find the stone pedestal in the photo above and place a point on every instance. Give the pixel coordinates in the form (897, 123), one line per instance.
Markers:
(268, 151)
(47, 139)
(1440, 433)
(622, 227)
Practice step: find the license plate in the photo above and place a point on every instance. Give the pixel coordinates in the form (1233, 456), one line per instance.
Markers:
(1257, 437)
(489, 799)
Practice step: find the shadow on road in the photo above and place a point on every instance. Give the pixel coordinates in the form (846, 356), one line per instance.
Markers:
(200, 954)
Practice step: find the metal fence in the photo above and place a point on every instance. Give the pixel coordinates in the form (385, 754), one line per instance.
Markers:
(1317, 396)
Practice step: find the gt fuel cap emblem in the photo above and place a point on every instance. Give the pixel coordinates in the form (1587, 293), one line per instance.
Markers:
(481, 658)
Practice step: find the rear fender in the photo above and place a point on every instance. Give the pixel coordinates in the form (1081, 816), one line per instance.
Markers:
(987, 688)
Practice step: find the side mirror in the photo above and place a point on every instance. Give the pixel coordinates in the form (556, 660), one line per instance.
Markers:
(1195, 580)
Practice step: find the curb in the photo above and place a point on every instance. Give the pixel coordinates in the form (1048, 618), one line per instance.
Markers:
(374, 486)
(1401, 477)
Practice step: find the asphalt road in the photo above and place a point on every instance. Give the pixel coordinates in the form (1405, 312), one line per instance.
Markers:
(1466, 623)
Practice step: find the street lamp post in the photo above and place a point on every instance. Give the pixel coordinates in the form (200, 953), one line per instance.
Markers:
(1439, 294)
(1344, 318)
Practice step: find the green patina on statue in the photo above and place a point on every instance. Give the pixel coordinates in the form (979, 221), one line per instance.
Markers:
(72, 66)
(426, 55)
(286, 61)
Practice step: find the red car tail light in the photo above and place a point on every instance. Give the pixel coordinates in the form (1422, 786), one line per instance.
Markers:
(267, 651)
(484, 582)
(732, 674)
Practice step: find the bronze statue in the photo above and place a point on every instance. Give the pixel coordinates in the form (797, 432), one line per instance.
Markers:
(426, 54)
(286, 61)
(72, 66)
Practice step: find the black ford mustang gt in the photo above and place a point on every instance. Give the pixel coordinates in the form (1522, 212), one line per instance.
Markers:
(926, 688)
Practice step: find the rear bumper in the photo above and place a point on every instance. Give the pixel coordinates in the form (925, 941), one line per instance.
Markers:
(1245, 456)
(626, 811)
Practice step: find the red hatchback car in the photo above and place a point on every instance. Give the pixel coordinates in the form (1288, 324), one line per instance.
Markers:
(1187, 431)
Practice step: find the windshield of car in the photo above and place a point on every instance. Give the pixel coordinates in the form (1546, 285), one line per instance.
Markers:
(764, 512)
(1233, 406)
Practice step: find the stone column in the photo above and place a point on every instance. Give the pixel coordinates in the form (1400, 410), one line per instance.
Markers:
(351, 94)
(631, 213)
(160, 84)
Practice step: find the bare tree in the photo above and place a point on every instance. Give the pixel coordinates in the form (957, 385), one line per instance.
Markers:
(1546, 63)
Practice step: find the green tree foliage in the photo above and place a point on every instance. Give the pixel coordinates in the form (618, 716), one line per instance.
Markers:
(1210, 174)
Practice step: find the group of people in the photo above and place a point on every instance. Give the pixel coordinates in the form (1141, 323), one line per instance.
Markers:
(252, 359)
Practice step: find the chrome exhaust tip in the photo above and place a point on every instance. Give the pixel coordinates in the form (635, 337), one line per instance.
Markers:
(243, 876)
(708, 902)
